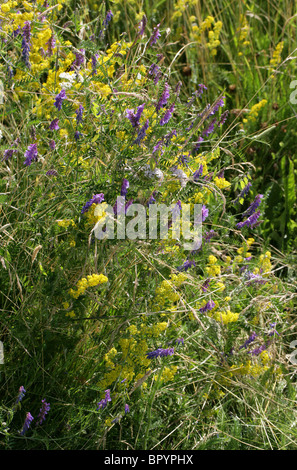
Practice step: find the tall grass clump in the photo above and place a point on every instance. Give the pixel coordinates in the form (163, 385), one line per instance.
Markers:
(131, 343)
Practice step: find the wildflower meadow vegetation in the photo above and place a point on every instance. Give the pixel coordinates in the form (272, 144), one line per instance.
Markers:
(142, 342)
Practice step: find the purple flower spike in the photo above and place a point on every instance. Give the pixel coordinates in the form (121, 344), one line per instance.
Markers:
(45, 407)
(167, 115)
(155, 36)
(187, 264)
(250, 339)
(52, 144)
(141, 133)
(134, 118)
(204, 212)
(51, 173)
(253, 206)
(198, 173)
(103, 403)
(27, 423)
(160, 352)
(97, 199)
(79, 113)
(127, 409)
(31, 154)
(164, 98)
(250, 221)
(54, 126)
(59, 99)
(142, 25)
(125, 186)
(208, 306)
(21, 395)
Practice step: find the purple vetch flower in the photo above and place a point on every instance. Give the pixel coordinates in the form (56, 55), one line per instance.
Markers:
(184, 160)
(27, 31)
(155, 36)
(165, 119)
(135, 117)
(142, 25)
(250, 221)
(209, 130)
(54, 126)
(205, 285)
(103, 403)
(218, 104)
(223, 118)
(50, 45)
(257, 351)
(31, 154)
(94, 64)
(152, 198)
(158, 147)
(79, 113)
(51, 173)
(164, 98)
(77, 135)
(21, 394)
(141, 133)
(168, 137)
(27, 423)
(204, 212)
(198, 173)
(273, 331)
(180, 340)
(79, 59)
(45, 408)
(209, 235)
(107, 19)
(190, 126)
(253, 206)
(160, 352)
(52, 144)
(198, 143)
(8, 154)
(124, 188)
(187, 264)
(97, 199)
(59, 99)
(10, 71)
(127, 409)
(208, 306)
(128, 204)
(177, 88)
(154, 70)
(250, 339)
(243, 192)
(196, 94)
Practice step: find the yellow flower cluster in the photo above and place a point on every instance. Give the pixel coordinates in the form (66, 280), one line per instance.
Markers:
(180, 7)
(276, 56)
(225, 317)
(265, 262)
(213, 38)
(166, 293)
(65, 223)
(90, 281)
(243, 31)
(96, 212)
(167, 374)
(254, 111)
(213, 269)
(213, 34)
(253, 369)
(221, 183)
